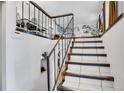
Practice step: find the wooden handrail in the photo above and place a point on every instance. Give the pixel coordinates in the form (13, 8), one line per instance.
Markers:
(55, 45)
(62, 64)
(117, 19)
(36, 5)
(68, 14)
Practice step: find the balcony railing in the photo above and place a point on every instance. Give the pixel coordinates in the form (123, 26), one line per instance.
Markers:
(32, 19)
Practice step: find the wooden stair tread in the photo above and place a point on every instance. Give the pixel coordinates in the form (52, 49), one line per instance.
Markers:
(67, 88)
(99, 77)
(84, 54)
(63, 88)
(97, 41)
(87, 37)
(87, 63)
(88, 47)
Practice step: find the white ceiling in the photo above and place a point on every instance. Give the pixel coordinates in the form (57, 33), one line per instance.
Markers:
(85, 12)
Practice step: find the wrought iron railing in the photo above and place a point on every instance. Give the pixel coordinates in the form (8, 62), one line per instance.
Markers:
(57, 56)
(32, 19)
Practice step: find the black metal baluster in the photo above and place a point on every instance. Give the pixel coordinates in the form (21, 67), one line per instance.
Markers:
(48, 28)
(54, 65)
(28, 16)
(38, 20)
(34, 14)
(48, 73)
(55, 26)
(22, 10)
(59, 58)
(73, 26)
(42, 23)
(29, 12)
(64, 35)
(60, 28)
(67, 29)
(28, 20)
(45, 26)
(51, 28)
(22, 24)
(61, 42)
(51, 24)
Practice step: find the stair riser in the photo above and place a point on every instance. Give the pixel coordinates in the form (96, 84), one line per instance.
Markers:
(83, 69)
(87, 39)
(88, 58)
(88, 51)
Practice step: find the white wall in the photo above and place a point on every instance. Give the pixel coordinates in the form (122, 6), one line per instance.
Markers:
(23, 54)
(0, 46)
(114, 44)
(120, 7)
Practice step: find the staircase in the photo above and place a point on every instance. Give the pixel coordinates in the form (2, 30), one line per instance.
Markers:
(86, 67)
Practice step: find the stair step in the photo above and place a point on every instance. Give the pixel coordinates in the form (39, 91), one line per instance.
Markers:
(87, 44)
(99, 77)
(89, 51)
(80, 54)
(98, 41)
(89, 64)
(88, 39)
(90, 59)
(95, 82)
(88, 47)
(83, 87)
(85, 69)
